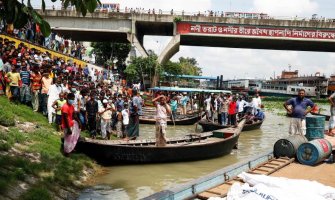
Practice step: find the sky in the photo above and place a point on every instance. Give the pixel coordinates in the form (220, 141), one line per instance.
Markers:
(243, 63)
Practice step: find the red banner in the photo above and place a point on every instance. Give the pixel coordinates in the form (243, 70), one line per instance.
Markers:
(192, 28)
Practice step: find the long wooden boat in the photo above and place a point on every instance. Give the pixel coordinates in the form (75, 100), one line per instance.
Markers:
(317, 114)
(212, 126)
(191, 147)
(180, 120)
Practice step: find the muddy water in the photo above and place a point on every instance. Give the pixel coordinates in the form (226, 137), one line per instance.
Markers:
(138, 181)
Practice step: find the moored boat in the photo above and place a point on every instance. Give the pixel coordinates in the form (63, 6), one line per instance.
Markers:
(190, 147)
(319, 114)
(180, 120)
(212, 126)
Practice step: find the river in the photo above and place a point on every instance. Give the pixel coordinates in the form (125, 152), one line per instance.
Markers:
(138, 181)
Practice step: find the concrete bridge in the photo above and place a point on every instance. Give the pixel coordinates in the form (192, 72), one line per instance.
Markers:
(301, 35)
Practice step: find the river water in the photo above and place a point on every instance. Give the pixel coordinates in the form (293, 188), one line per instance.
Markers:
(138, 181)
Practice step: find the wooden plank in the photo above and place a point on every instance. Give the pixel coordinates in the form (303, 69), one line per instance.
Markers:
(207, 195)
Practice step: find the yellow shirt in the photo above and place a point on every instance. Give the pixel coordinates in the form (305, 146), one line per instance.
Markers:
(14, 78)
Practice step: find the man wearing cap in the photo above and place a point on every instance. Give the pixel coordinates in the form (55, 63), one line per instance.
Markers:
(162, 111)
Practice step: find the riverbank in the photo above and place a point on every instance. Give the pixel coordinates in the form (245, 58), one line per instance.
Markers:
(31, 163)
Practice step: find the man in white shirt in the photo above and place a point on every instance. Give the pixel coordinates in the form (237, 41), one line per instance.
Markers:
(257, 101)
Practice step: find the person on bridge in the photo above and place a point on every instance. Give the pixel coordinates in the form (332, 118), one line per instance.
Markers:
(299, 109)
(162, 111)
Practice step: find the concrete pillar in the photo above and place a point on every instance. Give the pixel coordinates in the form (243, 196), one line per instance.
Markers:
(134, 41)
(170, 50)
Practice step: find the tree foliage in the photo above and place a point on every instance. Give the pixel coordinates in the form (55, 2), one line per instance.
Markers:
(141, 68)
(189, 66)
(108, 51)
(19, 14)
(147, 68)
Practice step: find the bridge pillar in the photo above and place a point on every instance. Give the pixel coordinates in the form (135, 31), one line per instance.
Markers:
(170, 50)
(134, 40)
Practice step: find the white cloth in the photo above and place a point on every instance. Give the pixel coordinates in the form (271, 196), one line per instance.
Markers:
(125, 116)
(53, 95)
(260, 187)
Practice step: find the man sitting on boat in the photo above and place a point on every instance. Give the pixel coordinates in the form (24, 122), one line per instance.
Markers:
(299, 109)
(162, 111)
(259, 115)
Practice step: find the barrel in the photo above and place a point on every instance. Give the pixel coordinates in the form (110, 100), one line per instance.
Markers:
(314, 152)
(315, 127)
(288, 147)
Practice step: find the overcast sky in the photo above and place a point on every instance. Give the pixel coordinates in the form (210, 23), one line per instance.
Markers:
(244, 63)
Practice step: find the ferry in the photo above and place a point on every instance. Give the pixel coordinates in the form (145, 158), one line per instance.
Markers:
(289, 83)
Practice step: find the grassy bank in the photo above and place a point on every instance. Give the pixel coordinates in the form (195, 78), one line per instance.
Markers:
(30, 154)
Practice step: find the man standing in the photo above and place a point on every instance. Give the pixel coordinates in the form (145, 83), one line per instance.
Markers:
(70, 127)
(14, 80)
(91, 115)
(35, 88)
(135, 112)
(53, 94)
(25, 89)
(332, 115)
(162, 110)
(299, 109)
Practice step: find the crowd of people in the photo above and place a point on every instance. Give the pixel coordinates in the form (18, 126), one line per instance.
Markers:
(32, 33)
(227, 108)
(57, 89)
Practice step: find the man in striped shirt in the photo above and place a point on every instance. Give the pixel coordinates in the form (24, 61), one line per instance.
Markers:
(25, 95)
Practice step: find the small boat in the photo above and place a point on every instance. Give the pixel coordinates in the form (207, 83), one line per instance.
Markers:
(197, 146)
(189, 119)
(212, 126)
(318, 114)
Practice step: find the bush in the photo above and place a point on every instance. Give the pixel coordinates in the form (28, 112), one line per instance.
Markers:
(36, 193)
(6, 118)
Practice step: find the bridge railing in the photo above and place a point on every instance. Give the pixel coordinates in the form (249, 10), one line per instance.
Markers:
(217, 14)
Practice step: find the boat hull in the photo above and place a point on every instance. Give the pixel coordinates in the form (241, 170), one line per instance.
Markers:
(209, 126)
(118, 154)
(188, 148)
(184, 121)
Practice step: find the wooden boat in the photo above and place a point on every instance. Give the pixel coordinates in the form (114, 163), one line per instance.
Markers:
(180, 120)
(210, 126)
(187, 148)
(317, 114)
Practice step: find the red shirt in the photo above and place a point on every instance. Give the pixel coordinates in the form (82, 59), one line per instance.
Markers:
(232, 108)
(69, 109)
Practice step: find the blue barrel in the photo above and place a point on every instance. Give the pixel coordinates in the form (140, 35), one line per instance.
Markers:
(315, 127)
(314, 152)
(288, 147)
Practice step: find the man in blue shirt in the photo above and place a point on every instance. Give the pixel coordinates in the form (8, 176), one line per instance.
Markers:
(299, 108)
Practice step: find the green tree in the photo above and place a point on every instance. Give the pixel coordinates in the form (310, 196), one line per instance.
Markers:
(18, 13)
(142, 68)
(189, 66)
(108, 51)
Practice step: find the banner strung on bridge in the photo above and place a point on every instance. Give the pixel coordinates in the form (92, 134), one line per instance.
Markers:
(193, 28)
